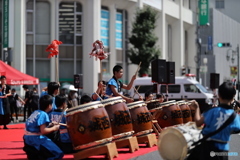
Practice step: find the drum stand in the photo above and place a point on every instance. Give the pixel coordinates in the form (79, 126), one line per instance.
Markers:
(109, 150)
(149, 139)
(130, 142)
(157, 129)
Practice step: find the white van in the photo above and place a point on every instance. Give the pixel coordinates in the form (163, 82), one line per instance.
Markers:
(185, 87)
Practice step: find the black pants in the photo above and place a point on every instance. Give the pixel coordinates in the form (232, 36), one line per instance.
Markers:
(207, 151)
(14, 108)
(27, 111)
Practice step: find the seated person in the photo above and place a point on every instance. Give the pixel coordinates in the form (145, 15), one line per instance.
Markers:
(148, 96)
(85, 99)
(59, 115)
(36, 144)
(101, 91)
(160, 97)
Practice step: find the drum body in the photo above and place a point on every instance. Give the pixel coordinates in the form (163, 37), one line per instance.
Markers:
(193, 110)
(120, 118)
(170, 114)
(141, 118)
(174, 142)
(88, 125)
(152, 105)
(186, 111)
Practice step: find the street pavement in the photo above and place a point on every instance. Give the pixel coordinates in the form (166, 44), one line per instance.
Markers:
(234, 148)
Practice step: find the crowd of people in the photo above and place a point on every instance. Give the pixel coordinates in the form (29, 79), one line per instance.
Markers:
(45, 117)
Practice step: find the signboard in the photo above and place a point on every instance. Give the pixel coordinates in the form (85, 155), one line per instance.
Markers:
(233, 71)
(203, 69)
(5, 23)
(203, 12)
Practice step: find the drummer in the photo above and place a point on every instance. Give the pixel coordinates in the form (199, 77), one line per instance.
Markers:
(59, 115)
(114, 85)
(160, 97)
(148, 96)
(101, 91)
(85, 99)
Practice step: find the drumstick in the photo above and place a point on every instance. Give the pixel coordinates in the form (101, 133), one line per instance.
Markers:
(62, 124)
(138, 68)
(98, 96)
(137, 90)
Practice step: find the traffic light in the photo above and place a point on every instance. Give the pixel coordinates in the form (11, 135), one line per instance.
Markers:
(220, 45)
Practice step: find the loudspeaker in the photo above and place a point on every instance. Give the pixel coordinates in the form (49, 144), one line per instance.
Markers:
(214, 80)
(171, 72)
(78, 80)
(159, 71)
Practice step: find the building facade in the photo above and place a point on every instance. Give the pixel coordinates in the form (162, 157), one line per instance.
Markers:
(33, 24)
(224, 27)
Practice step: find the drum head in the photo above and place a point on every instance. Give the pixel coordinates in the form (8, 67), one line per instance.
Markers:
(136, 104)
(84, 107)
(172, 144)
(168, 103)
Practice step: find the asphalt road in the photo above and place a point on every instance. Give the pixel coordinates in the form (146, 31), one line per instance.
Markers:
(234, 148)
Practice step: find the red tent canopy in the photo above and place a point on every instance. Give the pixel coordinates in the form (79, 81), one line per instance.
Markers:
(15, 77)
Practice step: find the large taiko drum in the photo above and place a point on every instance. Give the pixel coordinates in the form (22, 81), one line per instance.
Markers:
(193, 110)
(88, 125)
(170, 114)
(186, 111)
(153, 104)
(141, 118)
(120, 117)
(174, 142)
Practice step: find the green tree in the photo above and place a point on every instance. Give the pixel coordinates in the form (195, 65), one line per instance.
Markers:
(143, 39)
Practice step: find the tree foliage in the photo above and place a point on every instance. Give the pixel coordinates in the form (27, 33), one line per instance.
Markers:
(143, 39)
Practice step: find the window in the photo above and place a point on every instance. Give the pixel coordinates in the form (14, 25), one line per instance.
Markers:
(219, 4)
(144, 89)
(191, 88)
(171, 88)
(70, 33)
(105, 27)
(37, 38)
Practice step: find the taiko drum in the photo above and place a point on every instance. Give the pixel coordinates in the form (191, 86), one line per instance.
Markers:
(186, 111)
(170, 114)
(120, 118)
(88, 125)
(141, 118)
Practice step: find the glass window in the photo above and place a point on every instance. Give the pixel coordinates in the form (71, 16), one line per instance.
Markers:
(66, 23)
(219, 4)
(119, 30)
(171, 88)
(29, 21)
(145, 88)
(105, 27)
(29, 5)
(191, 88)
(42, 23)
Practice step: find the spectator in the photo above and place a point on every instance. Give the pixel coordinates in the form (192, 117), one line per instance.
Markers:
(13, 104)
(34, 100)
(26, 106)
